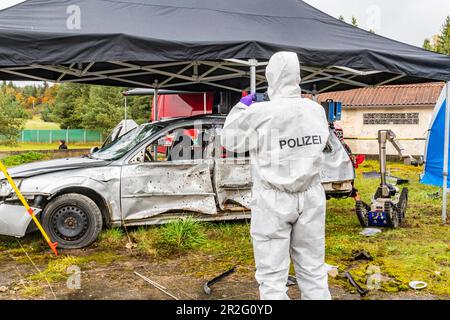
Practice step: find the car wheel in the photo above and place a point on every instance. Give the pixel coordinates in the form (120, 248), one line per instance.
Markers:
(72, 220)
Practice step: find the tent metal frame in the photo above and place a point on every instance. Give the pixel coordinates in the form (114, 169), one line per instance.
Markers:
(187, 73)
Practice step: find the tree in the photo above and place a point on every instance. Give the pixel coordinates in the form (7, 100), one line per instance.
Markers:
(139, 109)
(443, 42)
(341, 17)
(12, 117)
(69, 99)
(81, 106)
(440, 43)
(427, 44)
(104, 108)
(354, 21)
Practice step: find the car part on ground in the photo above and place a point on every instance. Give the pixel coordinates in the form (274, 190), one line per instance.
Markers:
(362, 292)
(156, 285)
(370, 232)
(388, 205)
(207, 285)
(292, 280)
(418, 285)
(362, 255)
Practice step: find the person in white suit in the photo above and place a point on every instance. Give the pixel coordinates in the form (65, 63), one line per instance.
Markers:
(286, 137)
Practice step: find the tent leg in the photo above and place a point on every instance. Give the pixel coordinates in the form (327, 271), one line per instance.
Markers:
(446, 145)
(253, 63)
(155, 102)
(126, 113)
(155, 107)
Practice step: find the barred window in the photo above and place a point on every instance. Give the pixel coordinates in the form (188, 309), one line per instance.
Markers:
(391, 118)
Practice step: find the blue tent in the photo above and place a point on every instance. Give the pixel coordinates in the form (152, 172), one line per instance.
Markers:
(437, 150)
(434, 153)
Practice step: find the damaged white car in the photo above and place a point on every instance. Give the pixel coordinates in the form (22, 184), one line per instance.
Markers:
(144, 178)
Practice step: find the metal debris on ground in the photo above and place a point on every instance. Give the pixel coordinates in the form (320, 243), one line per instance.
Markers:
(362, 255)
(332, 271)
(369, 232)
(207, 285)
(292, 280)
(418, 285)
(131, 245)
(156, 285)
(435, 195)
(358, 288)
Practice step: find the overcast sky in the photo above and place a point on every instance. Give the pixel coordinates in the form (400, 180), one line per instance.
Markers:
(409, 21)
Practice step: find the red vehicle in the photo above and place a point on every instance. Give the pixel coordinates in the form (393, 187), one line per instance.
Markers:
(183, 105)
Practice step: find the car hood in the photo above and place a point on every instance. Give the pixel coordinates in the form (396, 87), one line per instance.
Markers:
(42, 167)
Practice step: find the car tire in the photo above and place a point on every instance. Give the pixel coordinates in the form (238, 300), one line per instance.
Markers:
(72, 220)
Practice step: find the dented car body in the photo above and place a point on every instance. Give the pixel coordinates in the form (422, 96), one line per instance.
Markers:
(136, 180)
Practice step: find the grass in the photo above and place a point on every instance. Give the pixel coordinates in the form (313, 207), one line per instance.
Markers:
(419, 250)
(176, 237)
(182, 234)
(23, 158)
(46, 146)
(36, 123)
(112, 238)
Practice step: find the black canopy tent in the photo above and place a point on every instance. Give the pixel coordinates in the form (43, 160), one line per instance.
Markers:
(199, 44)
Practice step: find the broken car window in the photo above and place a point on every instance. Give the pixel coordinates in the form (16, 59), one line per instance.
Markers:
(188, 143)
(125, 143)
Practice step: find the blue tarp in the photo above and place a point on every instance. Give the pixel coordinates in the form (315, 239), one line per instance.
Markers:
(434, 156)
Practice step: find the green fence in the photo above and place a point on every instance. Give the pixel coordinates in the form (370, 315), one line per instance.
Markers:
(70, 135)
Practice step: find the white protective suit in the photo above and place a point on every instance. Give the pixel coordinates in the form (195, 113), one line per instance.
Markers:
(286, 138)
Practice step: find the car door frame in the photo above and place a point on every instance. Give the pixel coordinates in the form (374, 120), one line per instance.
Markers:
(201, 200)
(232, 180)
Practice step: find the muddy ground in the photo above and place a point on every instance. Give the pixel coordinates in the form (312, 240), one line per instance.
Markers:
(418, 250)
(116, 280)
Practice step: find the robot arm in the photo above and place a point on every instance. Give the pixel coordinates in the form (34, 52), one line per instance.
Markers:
(390, 135)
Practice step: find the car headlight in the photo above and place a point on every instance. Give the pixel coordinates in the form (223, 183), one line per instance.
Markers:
(6, 189)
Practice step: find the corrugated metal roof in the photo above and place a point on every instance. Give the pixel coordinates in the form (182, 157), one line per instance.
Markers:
(393, 95)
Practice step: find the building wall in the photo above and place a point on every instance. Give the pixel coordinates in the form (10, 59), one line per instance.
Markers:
(353, 125)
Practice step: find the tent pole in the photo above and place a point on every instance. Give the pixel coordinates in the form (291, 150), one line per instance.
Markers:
(126, 113)
(446, 145)
(155, 107)
(204, 102)
(253, 63)
(155, 101)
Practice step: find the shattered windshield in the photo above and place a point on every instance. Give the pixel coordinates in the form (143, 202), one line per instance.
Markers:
(125, 143)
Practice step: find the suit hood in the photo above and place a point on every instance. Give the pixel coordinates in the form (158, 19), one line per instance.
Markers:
(283, 76)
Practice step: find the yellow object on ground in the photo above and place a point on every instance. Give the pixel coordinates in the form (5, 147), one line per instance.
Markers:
(51, 244)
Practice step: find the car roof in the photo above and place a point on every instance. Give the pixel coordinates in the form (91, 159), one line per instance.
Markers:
(210, 117)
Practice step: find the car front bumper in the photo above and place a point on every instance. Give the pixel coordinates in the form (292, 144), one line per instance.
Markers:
(14, 219)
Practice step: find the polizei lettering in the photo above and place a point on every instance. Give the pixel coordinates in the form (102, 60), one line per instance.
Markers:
(300, 142)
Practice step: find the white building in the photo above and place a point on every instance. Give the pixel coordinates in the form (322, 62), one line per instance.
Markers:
(405, 109)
